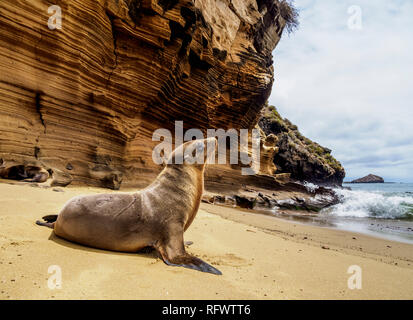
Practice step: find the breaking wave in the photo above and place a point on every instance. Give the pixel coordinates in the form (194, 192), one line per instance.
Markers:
(373, 204)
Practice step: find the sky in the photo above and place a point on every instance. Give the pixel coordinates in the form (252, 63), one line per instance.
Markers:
(345, 79)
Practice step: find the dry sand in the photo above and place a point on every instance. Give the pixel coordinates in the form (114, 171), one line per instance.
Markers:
(261, 257)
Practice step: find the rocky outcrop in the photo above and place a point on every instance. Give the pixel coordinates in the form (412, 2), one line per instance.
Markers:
(304, 159)
(290, 196)
(371, 178)
(85, 99)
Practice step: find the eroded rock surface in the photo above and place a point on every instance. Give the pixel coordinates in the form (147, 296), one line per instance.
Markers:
(85, 100)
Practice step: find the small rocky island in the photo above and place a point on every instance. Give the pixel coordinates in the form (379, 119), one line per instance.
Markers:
(371, 178)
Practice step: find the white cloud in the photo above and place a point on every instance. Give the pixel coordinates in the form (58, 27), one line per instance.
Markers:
(352, 90)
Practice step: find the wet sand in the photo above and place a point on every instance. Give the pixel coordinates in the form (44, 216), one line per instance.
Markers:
(390, 229)
(261, 257)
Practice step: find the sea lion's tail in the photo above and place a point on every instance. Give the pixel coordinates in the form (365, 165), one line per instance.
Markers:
(50, 220)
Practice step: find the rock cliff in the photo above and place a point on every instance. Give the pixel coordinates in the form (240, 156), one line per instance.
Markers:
(83, 101)
(304, 159)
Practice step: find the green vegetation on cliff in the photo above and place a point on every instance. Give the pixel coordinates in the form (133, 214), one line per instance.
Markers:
(305, 159)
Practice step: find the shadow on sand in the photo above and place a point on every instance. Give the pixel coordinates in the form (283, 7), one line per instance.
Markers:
(147, 252)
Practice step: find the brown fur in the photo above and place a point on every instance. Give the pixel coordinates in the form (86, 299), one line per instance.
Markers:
(156, 216)
(24, 173)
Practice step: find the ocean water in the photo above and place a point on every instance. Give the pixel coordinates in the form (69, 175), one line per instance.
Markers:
(382, 210)
(371, 200)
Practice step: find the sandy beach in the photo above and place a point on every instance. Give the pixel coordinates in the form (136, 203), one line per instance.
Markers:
(261, 257)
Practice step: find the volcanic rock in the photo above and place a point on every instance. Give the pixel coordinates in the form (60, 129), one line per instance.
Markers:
(304, 159)
(371, 178)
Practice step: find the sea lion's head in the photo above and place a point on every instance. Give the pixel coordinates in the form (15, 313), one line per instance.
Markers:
(194, 153)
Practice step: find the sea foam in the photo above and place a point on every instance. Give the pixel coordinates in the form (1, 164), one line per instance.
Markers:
(363, 204)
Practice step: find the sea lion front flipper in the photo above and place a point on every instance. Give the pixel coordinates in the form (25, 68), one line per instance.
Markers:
(173, 254)
(191, 262)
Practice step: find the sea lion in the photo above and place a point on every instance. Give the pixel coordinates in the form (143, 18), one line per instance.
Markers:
(35, 174)
(23, 173)
(156, 216)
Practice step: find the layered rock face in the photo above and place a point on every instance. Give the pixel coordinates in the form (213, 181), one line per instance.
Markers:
(304, 159)
(84, 100)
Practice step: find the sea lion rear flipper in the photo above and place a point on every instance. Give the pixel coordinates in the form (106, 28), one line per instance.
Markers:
(50, 221)
(45, 224)
(50, 218)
